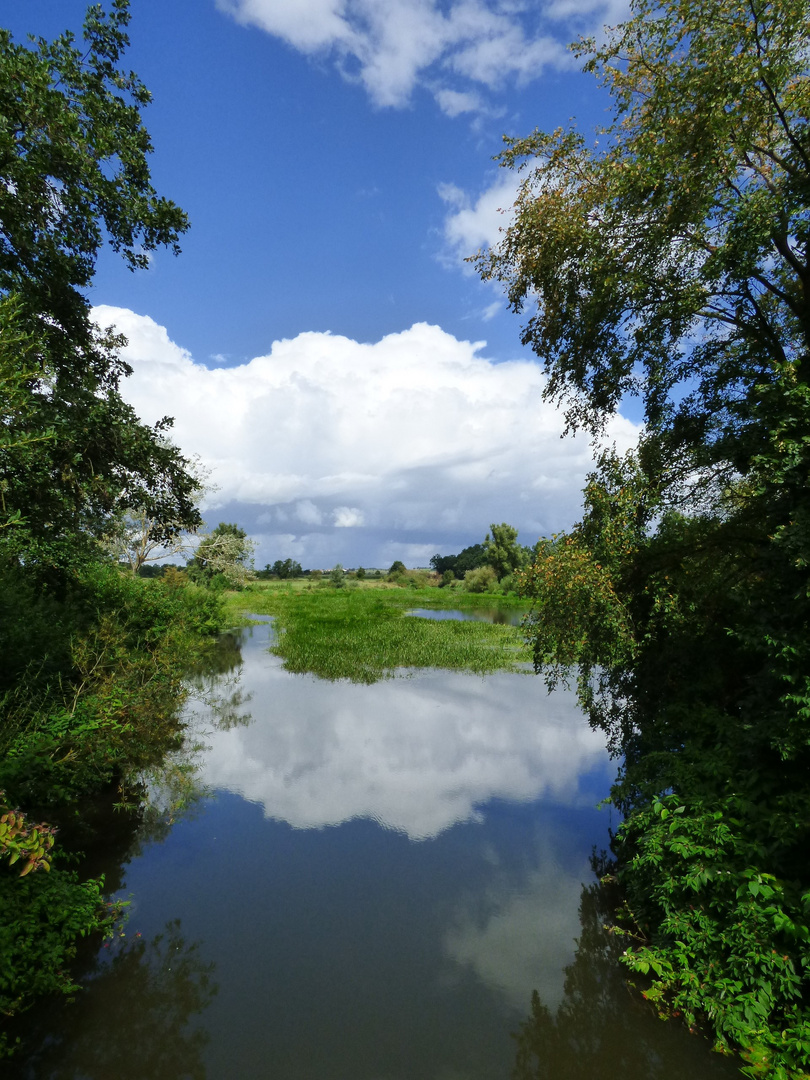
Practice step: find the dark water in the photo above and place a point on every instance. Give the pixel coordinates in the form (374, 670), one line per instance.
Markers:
(378, 881)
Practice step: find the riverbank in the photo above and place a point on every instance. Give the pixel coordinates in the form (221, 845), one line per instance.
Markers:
(91, 691)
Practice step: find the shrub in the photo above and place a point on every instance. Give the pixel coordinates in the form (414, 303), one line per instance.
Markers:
(482, 580)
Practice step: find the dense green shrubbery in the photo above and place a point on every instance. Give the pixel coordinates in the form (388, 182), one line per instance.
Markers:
(100, 691)
(90, 695)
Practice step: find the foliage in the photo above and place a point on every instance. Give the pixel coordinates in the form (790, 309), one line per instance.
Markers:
(726, 941)
(470, 558)
(43, 917)
(20, 840)
(503, 553)
(482, 580)
(397, 567)
(90, 697)
(410, 579)
(284, 568)
(223, 558)
(73, 156)
(140, 536)
(93, 660)
(337, 576)
(115, 682)
(597, 1029)
(670, 261)
(671, 267)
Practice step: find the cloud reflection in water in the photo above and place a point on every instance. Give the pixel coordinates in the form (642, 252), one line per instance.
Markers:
(417, 754)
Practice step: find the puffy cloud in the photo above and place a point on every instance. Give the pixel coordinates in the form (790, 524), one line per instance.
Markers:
(457, 102)
(328, 449)
(391, 46)
(347, 517)
(470, 223)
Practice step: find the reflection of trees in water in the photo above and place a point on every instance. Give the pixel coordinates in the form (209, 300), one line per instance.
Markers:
(216, 686)
(602, 1030)
(223, 657)
(171, 788)
(150, 990)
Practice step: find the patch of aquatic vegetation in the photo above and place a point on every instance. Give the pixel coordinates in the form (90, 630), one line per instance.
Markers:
(364, 634)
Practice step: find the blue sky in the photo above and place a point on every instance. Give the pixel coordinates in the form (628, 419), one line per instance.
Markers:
(320, 341)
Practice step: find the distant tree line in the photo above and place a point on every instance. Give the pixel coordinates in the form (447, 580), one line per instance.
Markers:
(281, 568)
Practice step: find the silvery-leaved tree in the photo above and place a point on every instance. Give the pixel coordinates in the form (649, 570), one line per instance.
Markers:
(223, 556)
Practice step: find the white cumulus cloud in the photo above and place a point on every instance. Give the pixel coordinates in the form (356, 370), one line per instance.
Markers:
(391, 46)
(328, 449)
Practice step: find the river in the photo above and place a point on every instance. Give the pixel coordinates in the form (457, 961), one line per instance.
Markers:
(372, 886)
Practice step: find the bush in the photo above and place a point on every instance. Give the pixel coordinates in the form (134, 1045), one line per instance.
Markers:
(482, 580)
(114, 667)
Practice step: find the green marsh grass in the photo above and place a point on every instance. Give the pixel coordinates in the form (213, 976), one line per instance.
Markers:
(363, 634)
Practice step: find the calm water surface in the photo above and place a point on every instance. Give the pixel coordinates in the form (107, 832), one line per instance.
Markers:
(494, 615)
(378, 881)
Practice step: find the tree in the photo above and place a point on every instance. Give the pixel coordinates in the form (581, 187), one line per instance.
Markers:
(138, 537)
(74, 160)
(481, 580)
(470, 558)
(503, 553)
(286, 568)
(223, 555)
(672, 261)
(443, 564)
(73, 157)
(674, 267)
(397, 567)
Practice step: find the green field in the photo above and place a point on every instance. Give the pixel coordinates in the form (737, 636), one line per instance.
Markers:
(362, 632)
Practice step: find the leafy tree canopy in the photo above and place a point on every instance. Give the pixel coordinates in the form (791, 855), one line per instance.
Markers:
(286, 568)
(503, 553)
(671, 260)
(470, 558)
(224, 557)
(74, 162)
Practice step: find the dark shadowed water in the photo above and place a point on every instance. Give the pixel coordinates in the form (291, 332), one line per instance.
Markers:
(378, 881)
